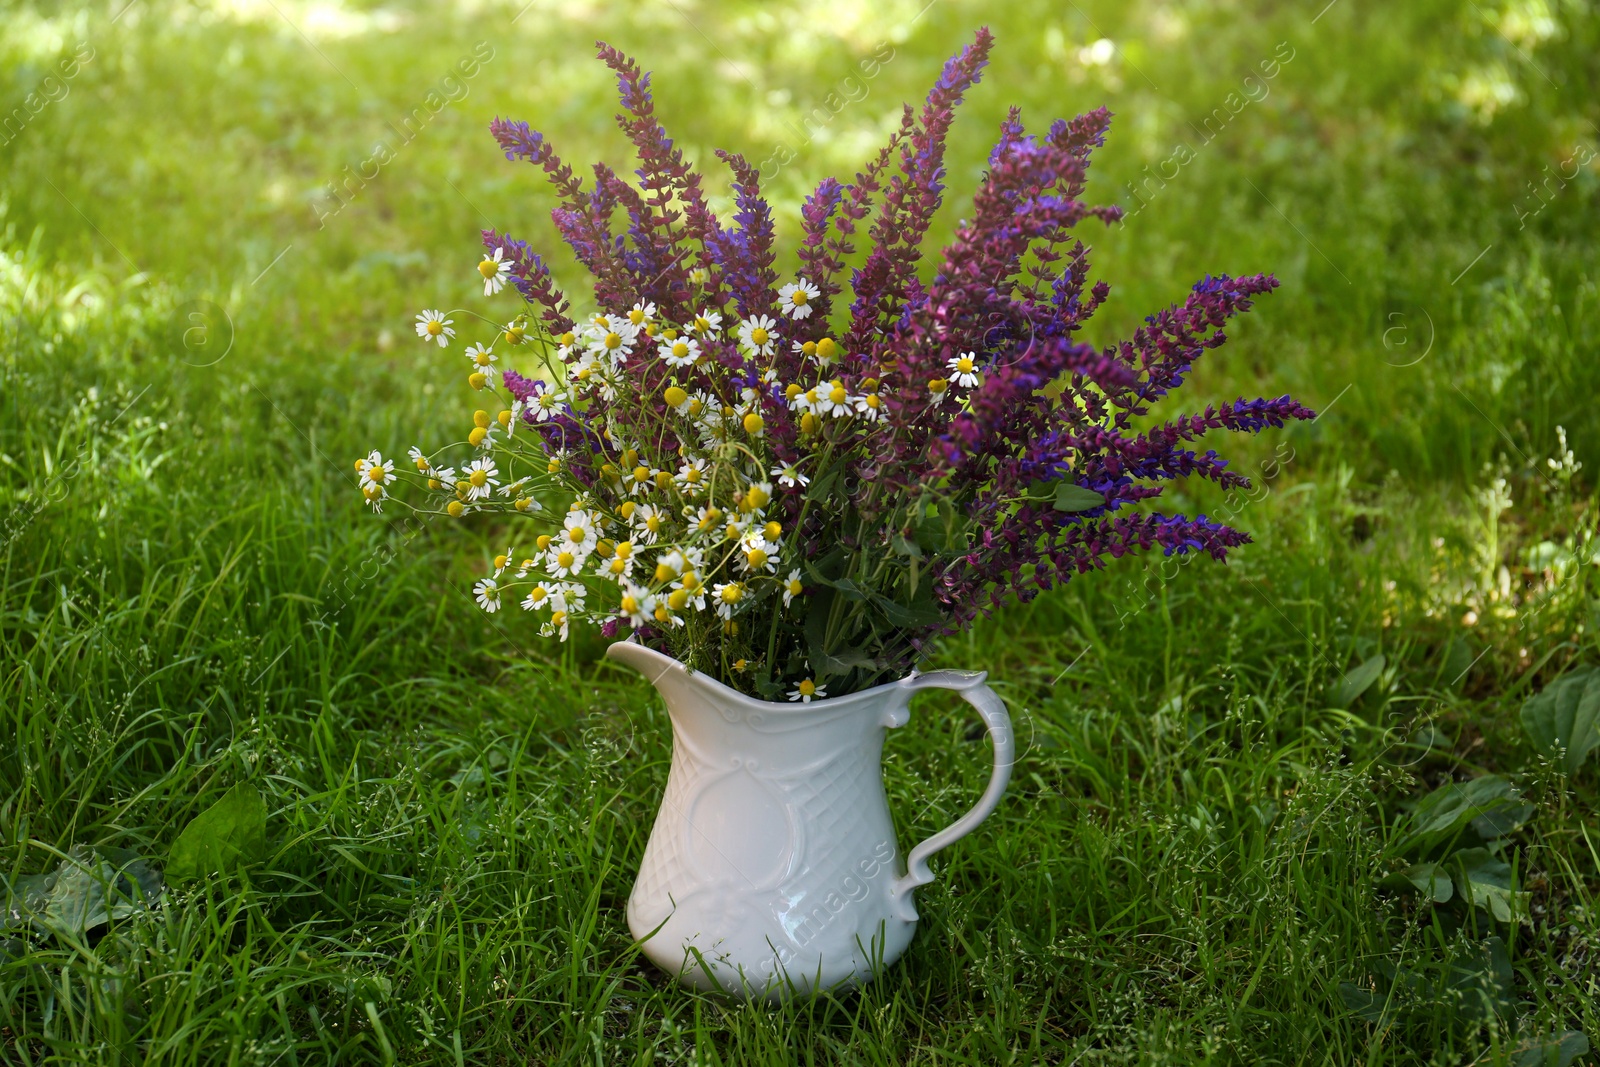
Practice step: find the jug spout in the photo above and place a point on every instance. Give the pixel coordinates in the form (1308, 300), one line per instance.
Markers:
(680, 687)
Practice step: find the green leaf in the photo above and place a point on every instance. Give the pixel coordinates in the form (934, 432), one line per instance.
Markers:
(1356, 682)
(909, 617)
(1365, 1004)
(1429, 879)
(86, 890)
(901, 546)
(1563, 720)
(1069, 497)
(1484, 982)
(1443, 814)
(230, 832)
(1486, 881)
(1557, 1050)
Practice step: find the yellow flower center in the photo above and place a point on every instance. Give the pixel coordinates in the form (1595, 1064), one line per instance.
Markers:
(964, 365)
(435, 327)
(630, 603)
(568, 338)
(627, 509)
(756, 557)
(827, 348)
(662, 614)
(773, 530)
(674, 396)
(690, 580)
(479, 478)
(482, 358)
(564, 560)
(613, 340)
(663, 572)
(537, 594)
(692, 475)
(480, 418)
(753, 423)
(624, 549)
(680, 350)
(577, 534)
(758, 337)
(653, 524)
(636, 316)
(808, 688)
(488, 268)
(641, 474)
(677, 599)
(732, 593)
(799, 298)
(701, 323)
(756, 497)
(375, 473)
(938, 385)
(499, 562)
(837, 394)
(557, 618)
(619, 566)
(542, 543)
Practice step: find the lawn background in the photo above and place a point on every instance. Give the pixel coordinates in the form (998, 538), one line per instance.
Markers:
(1186, 868)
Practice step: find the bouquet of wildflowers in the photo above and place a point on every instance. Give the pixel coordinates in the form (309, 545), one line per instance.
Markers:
(798, 484)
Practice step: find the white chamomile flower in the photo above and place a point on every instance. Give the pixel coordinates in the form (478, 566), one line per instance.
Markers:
(562, 561)
(964, 370)
(571, 594)
(488, 594)
(614, 340)
(375, 470)
(503, 560)
(547, 405)
(757, 335)
(759, 555)
(495, 270)
(538, 598)
(433, 326)
(560, 617)
(418, 460)
(869, 406)
(796, 297)
(691, 477)
(641, 314)
(790, 475)
(833, 399)
(445, 476)
(680, 352)
(620, 565)
(580, 533)
(728, 597)
(481, 477)
(482, 359)
(638, 605)
(792, 587)
(707, 323)
(648, 523)
(692, 588)
(807, 691)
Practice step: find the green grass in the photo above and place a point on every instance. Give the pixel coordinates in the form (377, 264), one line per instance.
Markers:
(1185, 869)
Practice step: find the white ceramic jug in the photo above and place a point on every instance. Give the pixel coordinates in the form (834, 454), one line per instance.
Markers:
(772, 868)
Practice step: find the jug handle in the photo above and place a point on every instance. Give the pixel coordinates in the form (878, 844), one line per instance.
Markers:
(970, 684)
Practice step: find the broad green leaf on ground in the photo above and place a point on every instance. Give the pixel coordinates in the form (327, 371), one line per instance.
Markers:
(1557, 1050)
(86, 890)
(230, 832)
(1563, 720)
(1485, 880)
(1357, 681)
(1490, 805)
(1429, 879)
